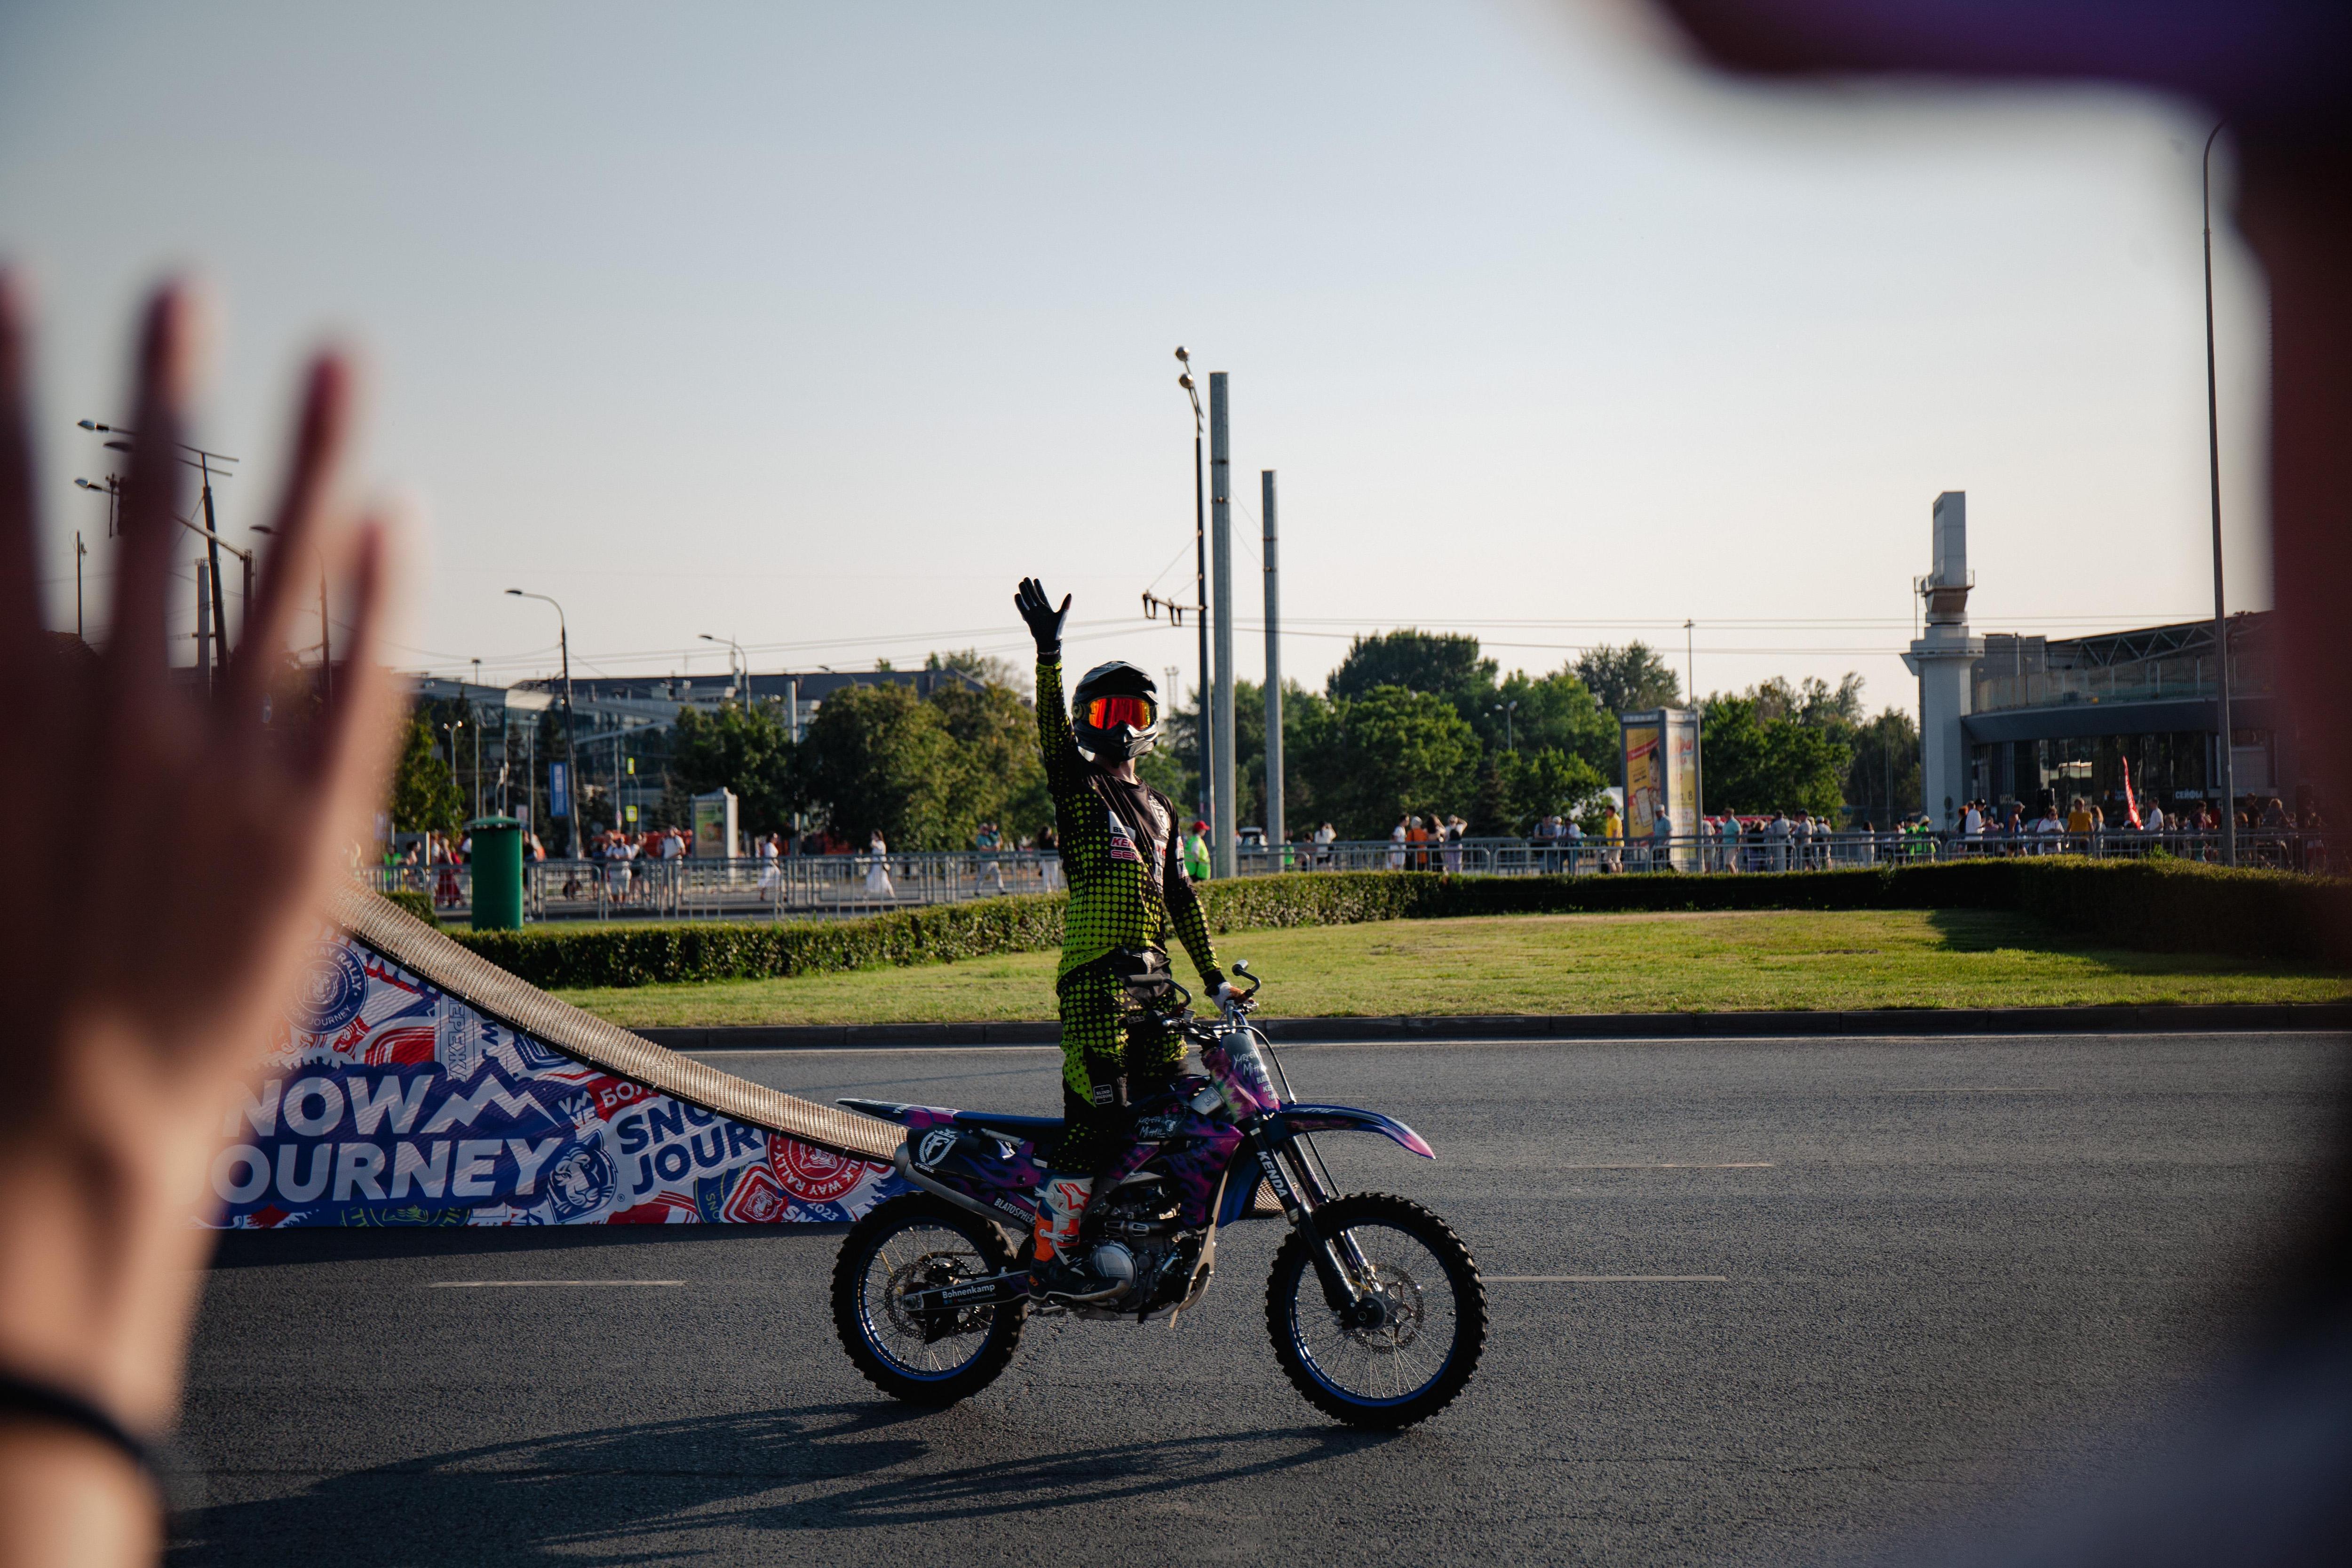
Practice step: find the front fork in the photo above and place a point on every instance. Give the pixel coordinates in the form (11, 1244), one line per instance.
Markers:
(1339, 1264)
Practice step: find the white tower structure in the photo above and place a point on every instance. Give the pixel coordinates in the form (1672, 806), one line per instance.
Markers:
(1941, 660)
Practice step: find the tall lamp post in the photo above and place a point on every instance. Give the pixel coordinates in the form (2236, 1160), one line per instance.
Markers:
(326, 631)
(1199, 569)
(1511, 712)
(570, 728)
(2214, 461)
(734, 654)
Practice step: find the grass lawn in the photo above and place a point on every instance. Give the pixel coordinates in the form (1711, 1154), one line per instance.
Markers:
(1552, 964)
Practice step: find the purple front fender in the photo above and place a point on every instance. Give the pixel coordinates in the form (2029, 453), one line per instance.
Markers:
(1348, 1119)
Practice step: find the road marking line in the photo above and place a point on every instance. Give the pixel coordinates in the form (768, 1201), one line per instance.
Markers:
(1993, 1089)
(1606, 1278)
(517, 1284)
(1679, 1165)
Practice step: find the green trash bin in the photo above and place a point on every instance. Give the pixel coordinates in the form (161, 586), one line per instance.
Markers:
(497, 873)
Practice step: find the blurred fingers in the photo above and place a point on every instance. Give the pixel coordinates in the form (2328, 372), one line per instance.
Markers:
(136, 650)
(294, 533)
(351, 747)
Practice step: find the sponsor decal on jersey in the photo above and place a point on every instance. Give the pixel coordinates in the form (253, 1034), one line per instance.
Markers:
(1122, 840)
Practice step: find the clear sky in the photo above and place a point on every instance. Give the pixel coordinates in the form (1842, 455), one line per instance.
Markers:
(818, 326)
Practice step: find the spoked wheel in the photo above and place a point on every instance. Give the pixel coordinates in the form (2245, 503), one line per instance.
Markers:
(922, 1354)
(1403, 1362)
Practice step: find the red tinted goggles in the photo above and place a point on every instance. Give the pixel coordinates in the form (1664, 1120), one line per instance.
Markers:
(1106, 712)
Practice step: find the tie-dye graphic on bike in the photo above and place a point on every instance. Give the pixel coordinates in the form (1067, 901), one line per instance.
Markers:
(989, 1159)
(385, 1102)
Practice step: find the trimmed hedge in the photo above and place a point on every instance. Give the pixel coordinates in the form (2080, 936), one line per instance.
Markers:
(415, 903)
(2175, 906)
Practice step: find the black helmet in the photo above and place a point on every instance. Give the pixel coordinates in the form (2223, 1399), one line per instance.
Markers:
(1120, 730)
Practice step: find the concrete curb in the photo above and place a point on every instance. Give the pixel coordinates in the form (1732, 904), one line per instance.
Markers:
(2207, 1018)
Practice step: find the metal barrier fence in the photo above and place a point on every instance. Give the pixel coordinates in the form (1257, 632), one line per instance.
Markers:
(800, 886)
(818, 885)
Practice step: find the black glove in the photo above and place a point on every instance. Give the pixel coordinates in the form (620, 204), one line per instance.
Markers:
(1045, 620)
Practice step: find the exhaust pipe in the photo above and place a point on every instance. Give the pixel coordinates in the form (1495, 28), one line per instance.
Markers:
(905, 1165)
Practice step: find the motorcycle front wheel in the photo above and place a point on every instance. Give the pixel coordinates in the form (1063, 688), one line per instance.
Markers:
(906, 1246)
(1411, 1364)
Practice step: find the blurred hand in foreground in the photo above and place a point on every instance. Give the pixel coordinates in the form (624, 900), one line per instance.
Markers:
(173, 852)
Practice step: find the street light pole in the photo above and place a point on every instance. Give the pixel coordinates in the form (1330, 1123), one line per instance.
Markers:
(1199, 574)
(735, 653)
(1698, 726)
(570, 727)
(477, 741)
(2213, 463)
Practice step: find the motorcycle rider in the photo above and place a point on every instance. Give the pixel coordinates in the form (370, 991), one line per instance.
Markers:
(1125, 866)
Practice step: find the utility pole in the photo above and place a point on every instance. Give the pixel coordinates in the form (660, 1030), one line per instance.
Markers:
(1200, 580)
(212, 548)
(475, 713)
(80, 550)
(570, 729)
(1274, 837)
(1698, 724)
(1224, 838)
(203, 625)
(2213, 457)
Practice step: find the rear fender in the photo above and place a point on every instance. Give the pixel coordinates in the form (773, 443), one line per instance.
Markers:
(1348, 1119)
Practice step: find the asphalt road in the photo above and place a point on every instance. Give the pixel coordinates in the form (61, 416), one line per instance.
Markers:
(1945, 1265)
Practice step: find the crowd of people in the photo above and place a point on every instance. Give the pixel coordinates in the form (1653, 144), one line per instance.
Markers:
(2268, 833)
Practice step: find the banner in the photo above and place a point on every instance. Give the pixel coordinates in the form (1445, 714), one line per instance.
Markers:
(388, 1102)
(559, 790)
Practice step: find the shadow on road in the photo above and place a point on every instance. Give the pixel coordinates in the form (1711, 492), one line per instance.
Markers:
(629, 1494)
(333, 1244)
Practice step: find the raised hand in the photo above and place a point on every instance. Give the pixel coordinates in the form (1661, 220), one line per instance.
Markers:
(1045, 620)
(174, 850)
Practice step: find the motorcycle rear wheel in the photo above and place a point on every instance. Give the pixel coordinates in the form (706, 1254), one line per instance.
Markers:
(912, 1243)
(1412, 1365)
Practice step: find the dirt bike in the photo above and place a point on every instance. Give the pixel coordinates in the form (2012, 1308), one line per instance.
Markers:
(1375, 1305)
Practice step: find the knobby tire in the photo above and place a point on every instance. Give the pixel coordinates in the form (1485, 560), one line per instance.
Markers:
(849, 1270)
(1294, 1288)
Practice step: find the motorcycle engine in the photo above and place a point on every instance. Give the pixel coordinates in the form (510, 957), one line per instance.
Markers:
(1141, 1247)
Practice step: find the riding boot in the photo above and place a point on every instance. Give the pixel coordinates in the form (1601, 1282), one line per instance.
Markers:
(1054, 1242)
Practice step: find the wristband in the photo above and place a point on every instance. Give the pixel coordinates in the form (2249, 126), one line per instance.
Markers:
(23, 1399)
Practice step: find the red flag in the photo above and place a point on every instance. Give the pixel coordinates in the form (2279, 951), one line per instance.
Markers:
(2131, 806)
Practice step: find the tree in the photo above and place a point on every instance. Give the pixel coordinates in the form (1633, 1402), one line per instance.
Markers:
(880, 758)
(1881, 786)
(987, 669)
(1556, 712)
(1629, 679)
(746, 749)
(424, 797)
(1001, 776)
(1443, 664)
(1519, 789)
(1756, 765)
(1386, 753)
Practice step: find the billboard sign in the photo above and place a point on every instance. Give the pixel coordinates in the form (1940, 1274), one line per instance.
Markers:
(385, 1102)
(1661, 758)
(559, 790)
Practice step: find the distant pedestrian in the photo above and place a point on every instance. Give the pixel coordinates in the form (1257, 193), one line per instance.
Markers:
(1196, 852)
(877, 869)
